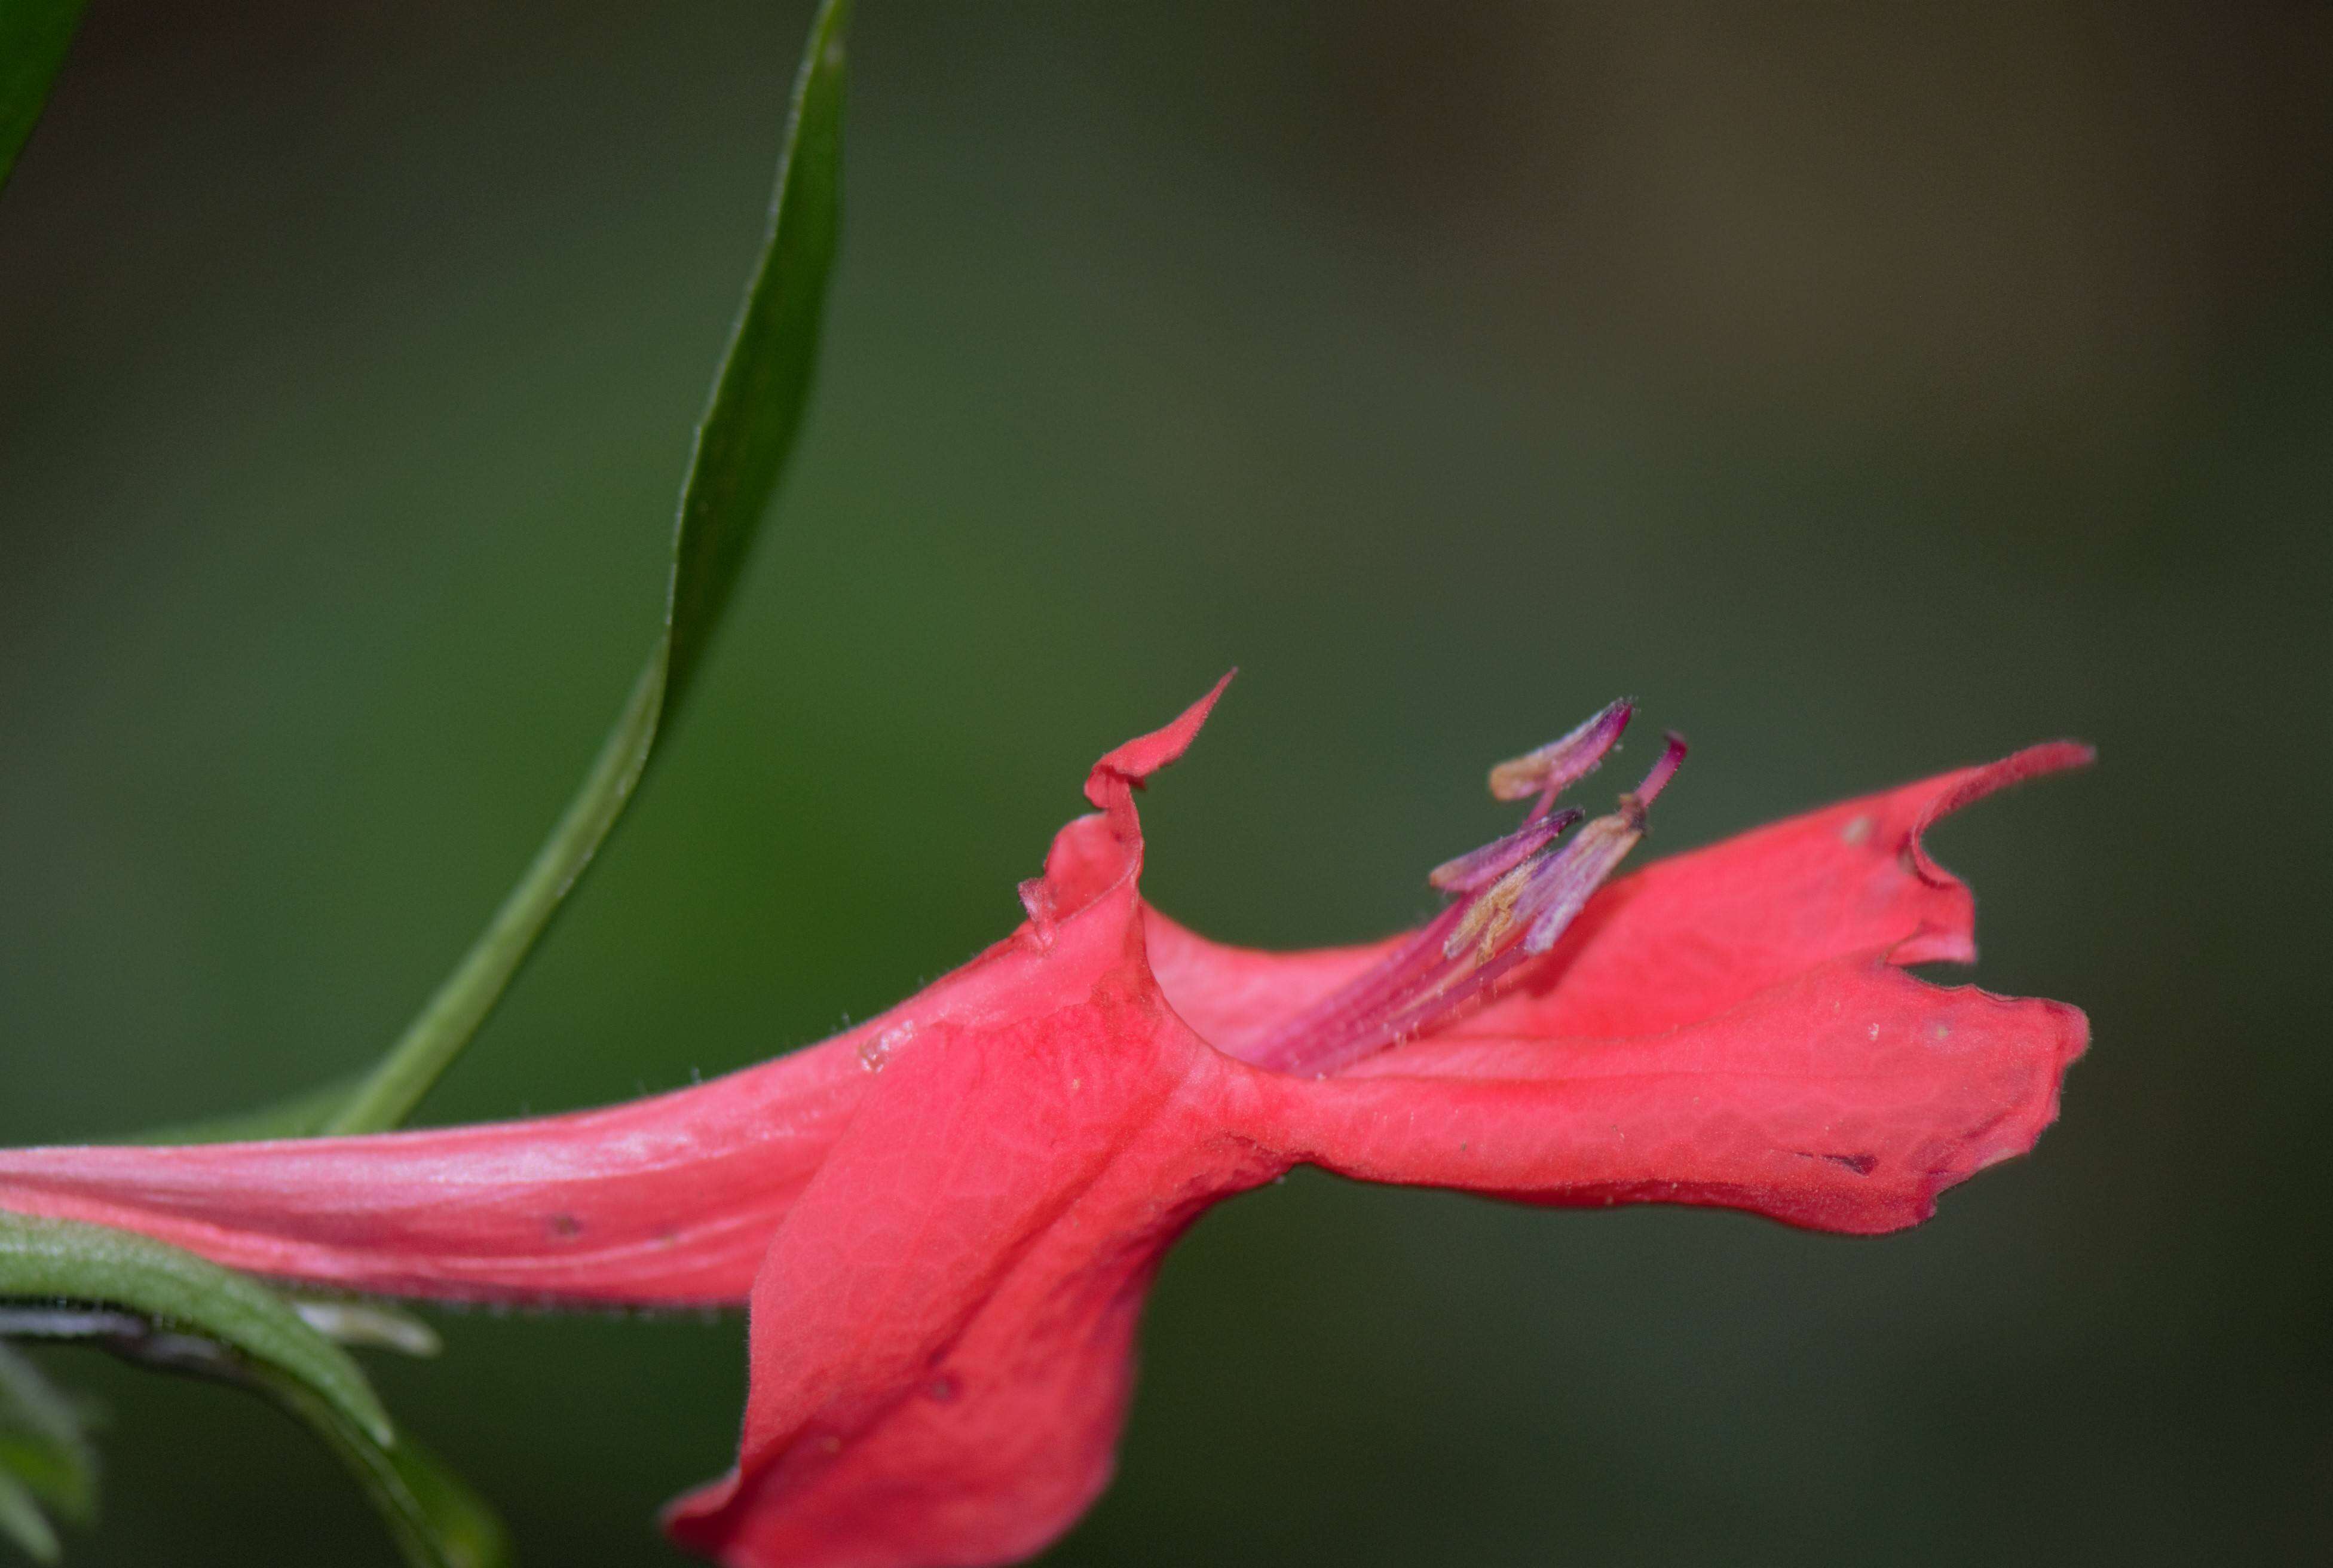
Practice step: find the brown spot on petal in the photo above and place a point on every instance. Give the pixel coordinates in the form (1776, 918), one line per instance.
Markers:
(1861, 1164)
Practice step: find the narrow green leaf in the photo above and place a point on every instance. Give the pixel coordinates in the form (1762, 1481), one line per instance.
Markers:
(434, 1520)
(46, 1463)
(434, 1517)
(742, 446)
(156, 1305)
(59, 1260)
(763, 387)
(33, 38)
(43, 1445)
(21, 1521)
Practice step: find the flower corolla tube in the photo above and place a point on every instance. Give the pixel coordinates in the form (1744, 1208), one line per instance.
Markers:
(943, 1221)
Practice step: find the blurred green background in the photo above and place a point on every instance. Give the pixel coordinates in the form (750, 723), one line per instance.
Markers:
(1870, 390)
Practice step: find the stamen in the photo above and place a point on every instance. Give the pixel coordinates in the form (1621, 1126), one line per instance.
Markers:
(1558, 764)
(1478, 868)
(1575, 874)
(1672, 758)
(1513, 899)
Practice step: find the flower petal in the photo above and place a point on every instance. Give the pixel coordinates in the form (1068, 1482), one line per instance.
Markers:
(942, 1334)
(1095, 852)
(1683, 939)
(1691, 936)
(670, 1199)
(1138, 759)
(949, 1216)
(1844, 1099)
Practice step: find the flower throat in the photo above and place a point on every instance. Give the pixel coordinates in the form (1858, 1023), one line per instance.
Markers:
(1510, 900)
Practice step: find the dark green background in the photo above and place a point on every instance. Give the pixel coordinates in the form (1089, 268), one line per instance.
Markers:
(1870, 390)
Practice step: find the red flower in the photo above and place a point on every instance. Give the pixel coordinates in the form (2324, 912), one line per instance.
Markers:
(945, 1221)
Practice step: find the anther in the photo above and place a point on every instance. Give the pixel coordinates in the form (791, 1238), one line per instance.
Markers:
(1558, 764)
(1584, 864)
(1478, 868)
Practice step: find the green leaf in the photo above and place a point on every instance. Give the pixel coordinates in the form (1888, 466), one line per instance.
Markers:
(154, 1304)
(763, 386)
(742, 446)
(33, 38)
(743, 442)
(60, 1260)
(435, 1520)
(21, 1521)
(43, 1447)
(46, 1464)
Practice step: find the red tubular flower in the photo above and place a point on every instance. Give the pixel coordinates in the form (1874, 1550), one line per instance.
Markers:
(946, 1220)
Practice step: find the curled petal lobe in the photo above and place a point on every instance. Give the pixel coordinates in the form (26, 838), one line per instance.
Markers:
(1095, 852)
(1132, 764)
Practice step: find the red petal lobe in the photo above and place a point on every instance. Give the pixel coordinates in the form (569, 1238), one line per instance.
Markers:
(942, 1334)
(1844, 1099)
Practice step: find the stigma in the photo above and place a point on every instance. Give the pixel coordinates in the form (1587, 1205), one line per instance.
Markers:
(1509, 902)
